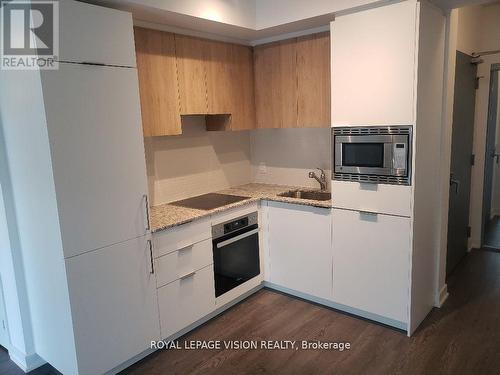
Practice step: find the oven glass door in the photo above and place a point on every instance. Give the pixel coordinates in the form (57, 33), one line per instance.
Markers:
(236, 259)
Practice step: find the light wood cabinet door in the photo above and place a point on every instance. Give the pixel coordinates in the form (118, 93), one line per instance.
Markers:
(192, 54)
(220, 67)
(313, 80)
(158, 85)
(275, 67)
(243, 114)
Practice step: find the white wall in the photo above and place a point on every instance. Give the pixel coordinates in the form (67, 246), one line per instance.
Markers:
(289, 154)
(21, 346)
(471, 29)
(277, 12)
(22, 116)
(204, 161)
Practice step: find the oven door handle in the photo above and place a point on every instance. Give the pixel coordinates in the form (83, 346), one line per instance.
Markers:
(237, 238)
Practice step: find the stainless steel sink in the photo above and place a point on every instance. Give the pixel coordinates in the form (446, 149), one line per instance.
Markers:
(307, 194)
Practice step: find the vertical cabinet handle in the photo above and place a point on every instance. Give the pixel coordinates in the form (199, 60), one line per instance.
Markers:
(150, 244)
(146, 202)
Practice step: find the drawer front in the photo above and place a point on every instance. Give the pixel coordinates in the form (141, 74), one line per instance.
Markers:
(181, 236)
(379, 198)
(191, 258)
(184, 301)
(371, 263)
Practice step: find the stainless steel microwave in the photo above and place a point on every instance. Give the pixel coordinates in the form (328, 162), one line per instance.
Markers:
(372, 154)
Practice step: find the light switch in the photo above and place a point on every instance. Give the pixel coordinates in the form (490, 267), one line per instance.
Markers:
(262, 168)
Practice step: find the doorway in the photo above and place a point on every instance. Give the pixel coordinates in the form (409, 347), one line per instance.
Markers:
(491, 193)
(461, 160)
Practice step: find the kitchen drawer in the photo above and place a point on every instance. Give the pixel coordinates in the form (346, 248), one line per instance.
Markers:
(181, 236)
(191, 258)
(379, 198)
(185, 301)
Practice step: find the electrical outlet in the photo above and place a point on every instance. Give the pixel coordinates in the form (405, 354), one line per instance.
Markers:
(262, 168)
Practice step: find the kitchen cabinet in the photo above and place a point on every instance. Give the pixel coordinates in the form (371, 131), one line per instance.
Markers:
(192, 54)
(93, 34)
(371, 263)
(374, 66)
(182, 75)
(186, 300)
(313, 80)
(113, 303)
(275, 84)
(220, 77)
(158, 84)
(299, 248)
(243, 113)
(94, 126)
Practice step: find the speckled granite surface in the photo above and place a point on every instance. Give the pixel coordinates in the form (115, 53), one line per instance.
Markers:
(166, 215)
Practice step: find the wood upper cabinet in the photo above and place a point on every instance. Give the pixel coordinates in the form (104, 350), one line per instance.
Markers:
(192, 55)
(183, 75)
(313, 80)
(243, 114)
(292, 82)
(276, 84)
(220, 73)
(158, 86)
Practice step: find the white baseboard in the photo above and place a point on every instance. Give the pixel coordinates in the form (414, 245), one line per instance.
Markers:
(442, 297)
(25, 362)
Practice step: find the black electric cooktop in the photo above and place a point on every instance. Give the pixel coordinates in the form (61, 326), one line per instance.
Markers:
(209, 201)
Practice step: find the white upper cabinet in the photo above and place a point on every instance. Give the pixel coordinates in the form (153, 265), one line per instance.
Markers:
(300, 252)
(373, 66)
(97, 149)
(94, 34)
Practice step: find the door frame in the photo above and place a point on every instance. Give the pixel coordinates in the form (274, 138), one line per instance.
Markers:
(494, 72)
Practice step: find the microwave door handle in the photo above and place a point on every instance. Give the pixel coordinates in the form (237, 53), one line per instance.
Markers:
(237, 238)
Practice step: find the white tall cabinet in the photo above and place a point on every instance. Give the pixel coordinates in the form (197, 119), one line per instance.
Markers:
(77, 165)
(387, 69)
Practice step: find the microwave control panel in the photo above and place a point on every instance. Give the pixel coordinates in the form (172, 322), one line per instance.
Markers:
(400, 156)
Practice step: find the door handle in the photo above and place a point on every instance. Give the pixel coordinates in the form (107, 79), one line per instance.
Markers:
(152, 270)
(146, 202)
(496, 156)
(455, 182)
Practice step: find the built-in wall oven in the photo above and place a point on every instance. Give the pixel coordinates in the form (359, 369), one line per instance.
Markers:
(372, 154)
(236, 252)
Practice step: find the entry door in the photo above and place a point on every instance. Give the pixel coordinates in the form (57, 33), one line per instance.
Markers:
(461, 156)
(491, 156)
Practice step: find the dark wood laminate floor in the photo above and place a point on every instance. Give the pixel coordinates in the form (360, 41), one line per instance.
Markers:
(463, 337)
(492, 235)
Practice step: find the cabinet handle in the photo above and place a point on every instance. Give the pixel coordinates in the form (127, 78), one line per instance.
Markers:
(146, 202)
(150, 244)
(370, 213)
(187, 275)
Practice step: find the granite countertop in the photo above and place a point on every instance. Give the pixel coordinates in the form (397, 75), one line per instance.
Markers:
(166, 215)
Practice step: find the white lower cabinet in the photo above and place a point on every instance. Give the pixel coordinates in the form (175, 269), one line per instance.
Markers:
(300, 255)
(113, 304)
(186, 300)
(371, 263)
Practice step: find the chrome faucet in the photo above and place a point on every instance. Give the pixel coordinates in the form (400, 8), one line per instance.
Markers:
(321, 179)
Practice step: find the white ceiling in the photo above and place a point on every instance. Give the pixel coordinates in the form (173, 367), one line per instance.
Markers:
(248, 21)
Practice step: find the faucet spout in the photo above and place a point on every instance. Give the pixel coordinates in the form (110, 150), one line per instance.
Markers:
(321, 179)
